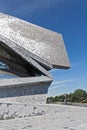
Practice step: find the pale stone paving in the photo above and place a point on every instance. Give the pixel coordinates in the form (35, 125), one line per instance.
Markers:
(59, 117)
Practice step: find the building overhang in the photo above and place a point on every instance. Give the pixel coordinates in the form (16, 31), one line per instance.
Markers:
(30, 51)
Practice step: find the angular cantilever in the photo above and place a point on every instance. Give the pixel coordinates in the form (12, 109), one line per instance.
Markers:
(30, 52)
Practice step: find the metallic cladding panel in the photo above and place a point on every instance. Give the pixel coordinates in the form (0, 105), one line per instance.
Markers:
(44, 43)
(19, 82)
(24, 54)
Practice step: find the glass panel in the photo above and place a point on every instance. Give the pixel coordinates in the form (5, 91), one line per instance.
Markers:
(3, 73)
(3, 66)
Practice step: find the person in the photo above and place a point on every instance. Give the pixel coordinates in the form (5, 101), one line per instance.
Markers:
(65, 100)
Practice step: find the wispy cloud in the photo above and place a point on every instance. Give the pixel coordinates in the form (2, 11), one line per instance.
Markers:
(59, 84)
(38, 5)
(63, 82)
(79, 63)
(28, 7)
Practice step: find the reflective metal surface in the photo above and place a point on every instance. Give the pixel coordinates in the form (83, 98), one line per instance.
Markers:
(44, 43)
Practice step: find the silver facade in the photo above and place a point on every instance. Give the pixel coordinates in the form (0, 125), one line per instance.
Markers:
(30, 52)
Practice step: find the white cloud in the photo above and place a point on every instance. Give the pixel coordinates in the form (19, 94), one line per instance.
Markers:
(79, 63)
(59, 84)
(63, 82)
(28, 7)
(38, 5)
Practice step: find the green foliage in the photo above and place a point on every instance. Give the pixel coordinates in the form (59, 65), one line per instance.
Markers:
(78, 96)
(50, 100)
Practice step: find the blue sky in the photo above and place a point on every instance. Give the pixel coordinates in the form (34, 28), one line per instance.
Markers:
(68, 17)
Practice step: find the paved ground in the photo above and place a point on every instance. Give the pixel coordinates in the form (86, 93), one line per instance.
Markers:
(59, 117)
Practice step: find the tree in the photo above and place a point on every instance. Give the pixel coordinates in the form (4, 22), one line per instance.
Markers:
(50, 100)
(79, 95)
(56, 98)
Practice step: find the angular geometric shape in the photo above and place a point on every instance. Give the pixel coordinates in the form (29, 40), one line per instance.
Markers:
(16, 63)
(19, 82)
(24, 90)
(45, 44)
(28, 52)
(11, 45)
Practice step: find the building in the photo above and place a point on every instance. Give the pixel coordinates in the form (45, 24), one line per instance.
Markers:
(27, 53)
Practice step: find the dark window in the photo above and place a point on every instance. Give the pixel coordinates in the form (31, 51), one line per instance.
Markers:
(13, 63)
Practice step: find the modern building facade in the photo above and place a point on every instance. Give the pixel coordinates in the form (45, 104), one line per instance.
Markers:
(27, 53)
